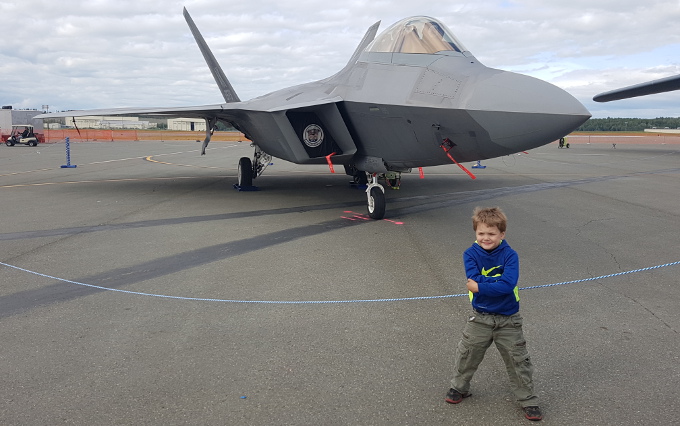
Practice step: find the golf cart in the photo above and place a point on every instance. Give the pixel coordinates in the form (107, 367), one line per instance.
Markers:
(22, 133)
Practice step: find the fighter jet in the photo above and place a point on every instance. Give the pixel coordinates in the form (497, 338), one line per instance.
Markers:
(412, 97)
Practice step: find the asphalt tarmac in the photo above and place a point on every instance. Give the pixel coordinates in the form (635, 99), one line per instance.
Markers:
(133, 288)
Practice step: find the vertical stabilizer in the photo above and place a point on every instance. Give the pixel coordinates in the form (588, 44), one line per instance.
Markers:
(368, 38)
(220, 78)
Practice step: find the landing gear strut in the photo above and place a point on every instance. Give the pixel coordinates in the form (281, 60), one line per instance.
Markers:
(360, 177)
(260, 161)
(376, 198)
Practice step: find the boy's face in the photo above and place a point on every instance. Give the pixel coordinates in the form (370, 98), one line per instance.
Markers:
(488, 237)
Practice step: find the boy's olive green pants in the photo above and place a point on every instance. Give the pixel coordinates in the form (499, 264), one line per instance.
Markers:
(506, 332)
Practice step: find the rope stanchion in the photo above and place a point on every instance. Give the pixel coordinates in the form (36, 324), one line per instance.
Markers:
(68, 155)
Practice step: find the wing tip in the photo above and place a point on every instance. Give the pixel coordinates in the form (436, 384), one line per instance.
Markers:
(662, 85)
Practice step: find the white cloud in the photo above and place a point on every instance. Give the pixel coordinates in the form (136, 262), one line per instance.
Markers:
(104, 53)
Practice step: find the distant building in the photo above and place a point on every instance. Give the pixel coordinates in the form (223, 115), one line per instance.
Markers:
(666, 130)
(186, 124)
(9, 117)
(104, 122)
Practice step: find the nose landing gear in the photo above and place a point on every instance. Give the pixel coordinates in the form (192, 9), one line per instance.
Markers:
(376, 198)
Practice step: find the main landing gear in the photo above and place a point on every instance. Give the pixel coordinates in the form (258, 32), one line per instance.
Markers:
(375, 193)
(249, 170)
(245, 172)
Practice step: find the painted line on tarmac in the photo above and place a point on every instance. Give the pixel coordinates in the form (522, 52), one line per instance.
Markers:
(73, 182)
(325, 302)
(27, 171)
(144, 157)
(151, 160)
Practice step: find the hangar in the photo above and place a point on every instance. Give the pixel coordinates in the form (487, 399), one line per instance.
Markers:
(10, 116)
(106, 122)
(186, 124)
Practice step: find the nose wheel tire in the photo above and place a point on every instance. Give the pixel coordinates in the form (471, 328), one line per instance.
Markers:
(376, 203)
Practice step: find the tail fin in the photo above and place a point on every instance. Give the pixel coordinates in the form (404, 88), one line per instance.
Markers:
(368, 38)
(220, 78)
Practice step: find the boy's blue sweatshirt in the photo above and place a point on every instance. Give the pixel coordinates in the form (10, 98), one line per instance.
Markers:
(497, 273)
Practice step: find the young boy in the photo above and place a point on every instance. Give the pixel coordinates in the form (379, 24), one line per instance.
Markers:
(492, 269)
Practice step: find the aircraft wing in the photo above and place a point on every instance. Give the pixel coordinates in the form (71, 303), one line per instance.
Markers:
(226, 112)
(649, 88)
(234, 111)
(231, 112)
(189, 112)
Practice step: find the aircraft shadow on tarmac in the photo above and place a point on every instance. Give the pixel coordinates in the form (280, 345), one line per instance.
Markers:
(121, 277)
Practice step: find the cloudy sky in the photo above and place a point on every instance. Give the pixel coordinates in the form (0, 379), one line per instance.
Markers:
(74, 54)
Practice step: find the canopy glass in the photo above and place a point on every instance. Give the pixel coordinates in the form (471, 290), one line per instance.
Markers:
(419, 34)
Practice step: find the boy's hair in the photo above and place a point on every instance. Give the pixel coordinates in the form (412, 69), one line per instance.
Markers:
(490, 216)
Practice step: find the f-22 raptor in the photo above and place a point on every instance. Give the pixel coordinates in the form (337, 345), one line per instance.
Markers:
(411, 97)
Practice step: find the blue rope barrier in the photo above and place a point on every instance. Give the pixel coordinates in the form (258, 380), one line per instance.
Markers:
(321, 302)
(603, 276)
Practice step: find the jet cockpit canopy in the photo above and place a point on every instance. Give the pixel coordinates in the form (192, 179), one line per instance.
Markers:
(418, 34)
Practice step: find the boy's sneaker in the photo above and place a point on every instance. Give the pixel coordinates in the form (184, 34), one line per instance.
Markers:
(454, 397)
(533, 413)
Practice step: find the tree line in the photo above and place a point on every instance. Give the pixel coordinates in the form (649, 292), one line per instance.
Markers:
(628, 124)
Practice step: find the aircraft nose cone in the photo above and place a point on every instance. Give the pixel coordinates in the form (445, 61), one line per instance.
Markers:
(521, 112)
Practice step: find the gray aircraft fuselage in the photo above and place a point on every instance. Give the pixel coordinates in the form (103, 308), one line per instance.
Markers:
(393, 110)
(411, 97)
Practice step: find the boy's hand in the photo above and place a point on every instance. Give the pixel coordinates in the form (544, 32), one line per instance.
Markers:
(472, 285)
